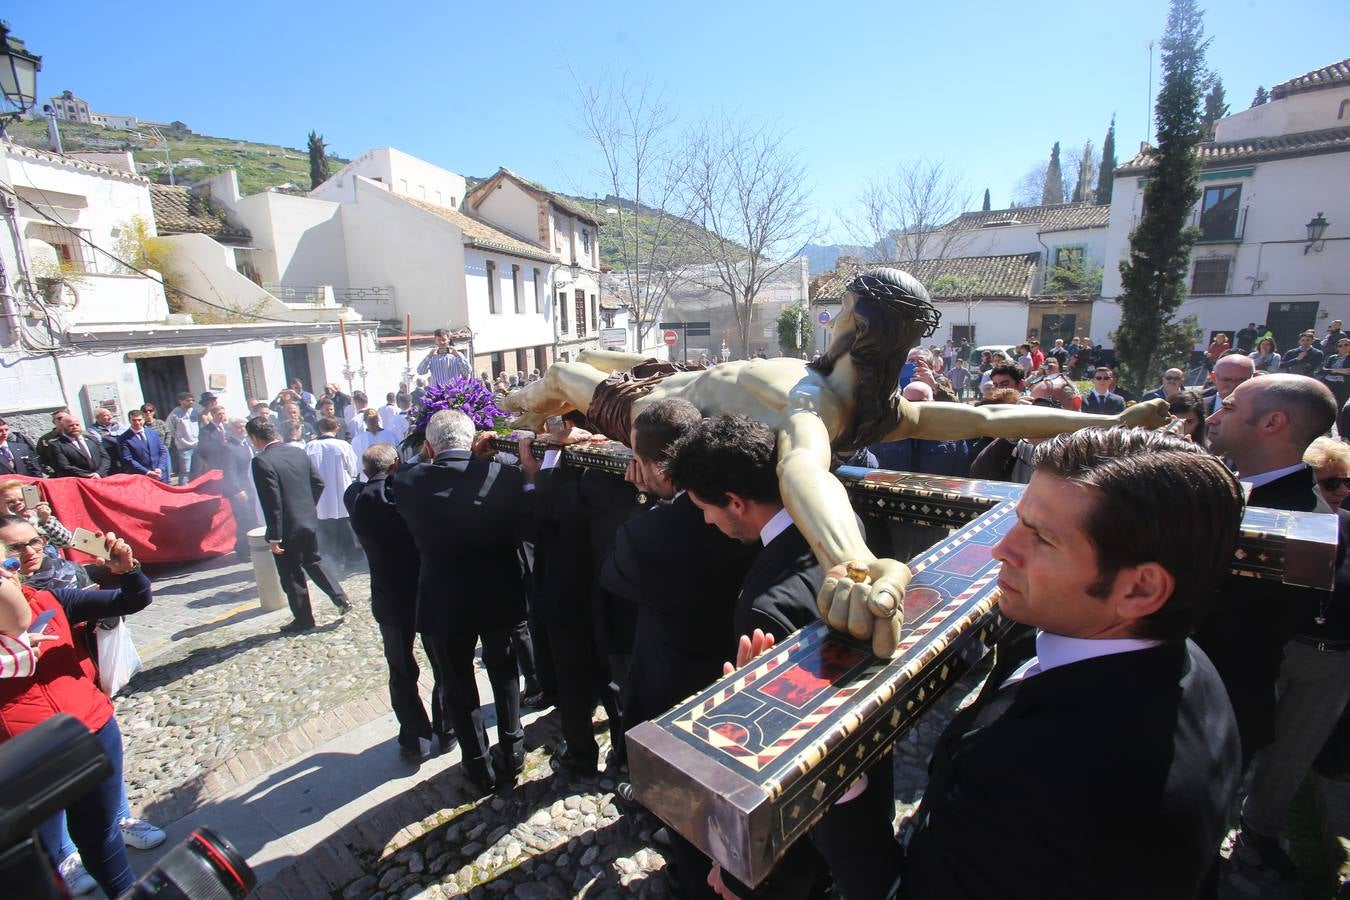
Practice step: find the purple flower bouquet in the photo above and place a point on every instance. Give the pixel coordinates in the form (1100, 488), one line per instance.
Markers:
(468, 395)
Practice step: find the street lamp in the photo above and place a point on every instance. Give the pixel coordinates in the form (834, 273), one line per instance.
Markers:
(1317, 229)
(18, 75)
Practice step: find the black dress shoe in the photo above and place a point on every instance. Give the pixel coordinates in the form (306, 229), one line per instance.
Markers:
(572, 769)
(1267, 852)
(411, 754)
(480, 778)
(344, 607)
(296, 626)
(444, 743)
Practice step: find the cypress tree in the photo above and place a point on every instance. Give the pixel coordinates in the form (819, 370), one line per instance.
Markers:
(1153, 279)
(1053, 192)
(1082, 189)
(985, 208)
(318, 160)
(1216, 106)
(1106, 175)
(1261, 96)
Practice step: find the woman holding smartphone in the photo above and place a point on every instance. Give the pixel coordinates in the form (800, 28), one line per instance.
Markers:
(60, 680)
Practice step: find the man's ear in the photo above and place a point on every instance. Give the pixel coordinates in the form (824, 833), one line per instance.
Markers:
(737, 504)
(1142, 590)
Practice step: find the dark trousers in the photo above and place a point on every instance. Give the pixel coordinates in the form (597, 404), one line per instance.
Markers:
(582, 675)
(857, 839)
(337, 542)
(403, 697)
(523, 643)
(301, 557)
(245, 519)
(92, 822)
(455, 695)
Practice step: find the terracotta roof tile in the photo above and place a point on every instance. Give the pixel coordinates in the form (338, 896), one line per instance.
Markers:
(1057, 217)
(179, 211)
(1282, 146)
(1007, 277)
(480, 234)
(1338, 73)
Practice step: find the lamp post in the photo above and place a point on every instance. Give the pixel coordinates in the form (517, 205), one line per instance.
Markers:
(1317, 230)
(18, 75)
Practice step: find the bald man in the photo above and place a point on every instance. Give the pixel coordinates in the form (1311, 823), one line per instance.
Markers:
(1173, 381)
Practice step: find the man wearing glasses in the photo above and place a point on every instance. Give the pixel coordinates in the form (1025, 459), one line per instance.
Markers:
(1101, 399)
(1171, 386)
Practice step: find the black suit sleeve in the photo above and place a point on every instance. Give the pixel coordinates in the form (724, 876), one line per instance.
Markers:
(269, 497)
(89, 605)
(621, 570)
(102, 464)
(315, 484)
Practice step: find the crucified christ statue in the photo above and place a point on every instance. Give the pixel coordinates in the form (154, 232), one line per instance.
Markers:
(845, 400)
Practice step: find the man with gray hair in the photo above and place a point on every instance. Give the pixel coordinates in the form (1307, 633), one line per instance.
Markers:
(394, 564)
(464, 515)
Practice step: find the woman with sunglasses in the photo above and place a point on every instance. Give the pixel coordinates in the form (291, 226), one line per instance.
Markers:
(1335, 369)
(1330, 459)
(1266, 357)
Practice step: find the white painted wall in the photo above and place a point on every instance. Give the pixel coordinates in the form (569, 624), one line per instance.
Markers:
(104, 299)
(507, 330)
(509, 207)
(995, 321)
(400, 173)
(1310, 111)
(205, 269)
(302, 238)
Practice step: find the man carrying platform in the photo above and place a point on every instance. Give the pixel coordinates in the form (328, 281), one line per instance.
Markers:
(842, 401)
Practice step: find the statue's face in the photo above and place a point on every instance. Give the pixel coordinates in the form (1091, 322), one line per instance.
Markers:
(843, 323)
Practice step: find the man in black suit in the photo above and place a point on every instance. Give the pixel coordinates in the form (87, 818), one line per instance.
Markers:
(1264, 426)
(73, 454)
(288, 489)
(1101, 399)
(237, 484)
(18, 455)
(1101, 757)
(683, 576)
(1305, 359)
(727, 467)
(211, 438)
(141, 450)
(465, 516)
(394, 563)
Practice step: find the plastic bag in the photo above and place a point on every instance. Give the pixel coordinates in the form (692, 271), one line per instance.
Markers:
(117, 658)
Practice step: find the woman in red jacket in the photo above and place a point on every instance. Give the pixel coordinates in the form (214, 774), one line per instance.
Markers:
(60, 683)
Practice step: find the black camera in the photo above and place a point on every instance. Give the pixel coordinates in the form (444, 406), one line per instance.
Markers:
(44, 770)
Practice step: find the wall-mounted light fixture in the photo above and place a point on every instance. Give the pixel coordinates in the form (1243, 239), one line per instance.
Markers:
(1317, 230)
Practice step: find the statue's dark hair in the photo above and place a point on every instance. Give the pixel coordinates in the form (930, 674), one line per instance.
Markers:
(892, 312)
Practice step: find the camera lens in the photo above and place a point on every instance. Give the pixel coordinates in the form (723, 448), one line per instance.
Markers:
(204, 867)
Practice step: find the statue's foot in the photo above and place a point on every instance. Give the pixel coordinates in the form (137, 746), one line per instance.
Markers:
(528, 421)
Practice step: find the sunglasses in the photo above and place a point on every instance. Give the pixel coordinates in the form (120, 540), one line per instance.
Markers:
(1335, 482)
(1101, 377)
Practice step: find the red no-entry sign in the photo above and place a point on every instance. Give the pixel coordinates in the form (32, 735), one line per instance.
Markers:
(670, 337)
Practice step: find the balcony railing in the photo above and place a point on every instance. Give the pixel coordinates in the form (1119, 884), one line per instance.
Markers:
(1217, 228)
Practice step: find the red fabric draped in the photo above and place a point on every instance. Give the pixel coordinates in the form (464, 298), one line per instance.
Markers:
(163, 523)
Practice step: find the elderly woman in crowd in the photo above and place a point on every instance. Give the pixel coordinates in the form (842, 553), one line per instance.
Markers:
(1330, 459)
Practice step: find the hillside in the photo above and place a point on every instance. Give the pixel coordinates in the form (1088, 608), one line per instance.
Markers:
(196, 157)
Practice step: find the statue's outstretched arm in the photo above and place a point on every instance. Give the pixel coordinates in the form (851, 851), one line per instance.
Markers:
(821, 510)
(956, 421)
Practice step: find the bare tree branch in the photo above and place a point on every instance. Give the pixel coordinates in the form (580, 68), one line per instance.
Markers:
(897, 216)
(748, 191)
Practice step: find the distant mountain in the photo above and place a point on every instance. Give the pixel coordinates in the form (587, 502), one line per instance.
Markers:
(822, 257)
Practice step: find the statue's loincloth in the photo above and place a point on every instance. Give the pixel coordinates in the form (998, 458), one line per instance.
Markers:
(611, 409)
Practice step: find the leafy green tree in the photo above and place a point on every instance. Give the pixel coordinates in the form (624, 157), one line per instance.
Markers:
(794, 330)
(1053, 192)
(1261, 96)
(985, 207)
(1082, 189)
(1106, 175)
(1153, 278)
(1216, 106)
(318, 160)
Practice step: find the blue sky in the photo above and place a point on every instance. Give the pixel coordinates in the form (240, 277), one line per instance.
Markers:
(858, 86)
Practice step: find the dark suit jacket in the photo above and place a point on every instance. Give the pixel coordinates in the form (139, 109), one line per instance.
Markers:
(465, 516)
(26, 460)
(390, 550)
(1109, 777)
(684, 576)
(66, 460)
(234, 468)
(140, 456)
(779, 591)
(288, 489)
(210, 444)
(1245, 633)
(1112, 404)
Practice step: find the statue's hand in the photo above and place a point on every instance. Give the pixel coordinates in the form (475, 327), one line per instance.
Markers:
(873, 607)
(1149, 414)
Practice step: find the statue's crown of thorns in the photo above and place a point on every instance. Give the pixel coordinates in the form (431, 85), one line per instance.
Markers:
(901, 289)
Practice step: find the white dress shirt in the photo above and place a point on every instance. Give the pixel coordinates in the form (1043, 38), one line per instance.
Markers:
(335, 461)
(781, 521)
(1055, 650)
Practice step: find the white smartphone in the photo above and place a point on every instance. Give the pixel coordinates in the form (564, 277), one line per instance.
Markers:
(86, 541)
(31, 496)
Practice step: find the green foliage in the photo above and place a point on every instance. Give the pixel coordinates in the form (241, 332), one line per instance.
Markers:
(1261, 96)
(1053, 192)
(1216, 106)
(1153, 278)
(794, 330)
(985, 207)
(318, 161)
(1079, 276)
(1106, 175)
(138, 246)
(1082, 189)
